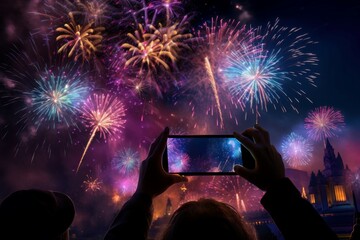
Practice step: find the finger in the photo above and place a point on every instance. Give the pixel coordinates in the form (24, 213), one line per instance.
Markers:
(176, 178)
(160, 148)
(265, 133)
(155, 143)
(254, 134)
(248, 144)
(243, 172)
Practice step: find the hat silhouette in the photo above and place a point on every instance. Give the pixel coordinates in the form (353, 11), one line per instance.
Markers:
(35, 214)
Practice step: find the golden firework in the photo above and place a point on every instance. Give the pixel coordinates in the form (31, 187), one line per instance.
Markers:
(171, 38)
(80, 41)
(146, 50)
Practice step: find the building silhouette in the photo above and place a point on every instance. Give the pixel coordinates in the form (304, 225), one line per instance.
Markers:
(330, 192)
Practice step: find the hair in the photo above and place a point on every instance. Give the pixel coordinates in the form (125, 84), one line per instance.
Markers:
(207, 219)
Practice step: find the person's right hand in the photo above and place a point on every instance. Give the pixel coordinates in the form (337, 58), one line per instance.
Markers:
(269, 166)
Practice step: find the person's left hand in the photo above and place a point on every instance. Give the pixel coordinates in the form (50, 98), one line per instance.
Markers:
(153, 180)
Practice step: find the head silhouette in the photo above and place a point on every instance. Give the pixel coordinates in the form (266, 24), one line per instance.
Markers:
(207, 219)
(35, 214)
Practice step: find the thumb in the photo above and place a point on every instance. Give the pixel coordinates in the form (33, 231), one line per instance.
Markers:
(178, 178)
(243, 172)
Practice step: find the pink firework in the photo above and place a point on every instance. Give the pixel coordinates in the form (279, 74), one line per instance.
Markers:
(324, 122)
(105, 114)
(296, 150)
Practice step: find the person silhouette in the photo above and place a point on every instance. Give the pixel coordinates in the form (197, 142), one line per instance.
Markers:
(207, 218)
(36, 214)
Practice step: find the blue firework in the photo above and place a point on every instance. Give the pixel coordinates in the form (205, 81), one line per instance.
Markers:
(56, 97)
(126, 161)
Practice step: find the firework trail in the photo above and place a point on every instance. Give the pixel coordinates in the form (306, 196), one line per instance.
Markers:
(296, 150)
(126, 161)
(83, 41)
(102, 113)
(214, 41)
(324, 122)
(275, 72)
(213, 86)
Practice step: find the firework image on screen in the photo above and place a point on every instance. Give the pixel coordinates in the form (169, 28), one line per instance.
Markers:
(203, 154)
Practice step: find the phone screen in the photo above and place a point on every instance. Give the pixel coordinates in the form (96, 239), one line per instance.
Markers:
(202, 154)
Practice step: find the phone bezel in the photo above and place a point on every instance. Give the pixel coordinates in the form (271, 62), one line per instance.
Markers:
(165, 157)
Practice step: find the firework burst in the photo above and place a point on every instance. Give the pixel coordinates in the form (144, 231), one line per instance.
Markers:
(324, 122)
(178, 160)
(83, 41)
(275, 73)
(126, 161)
(145, 51)
(296, 150)
(171, 8)
(214, 41)
(105, 114)
(153, 50)
(172, 38)
(95, 11)
(56, 97)
(47, 93)
(91, 184)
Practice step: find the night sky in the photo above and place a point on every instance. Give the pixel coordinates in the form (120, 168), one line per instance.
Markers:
(47, 157)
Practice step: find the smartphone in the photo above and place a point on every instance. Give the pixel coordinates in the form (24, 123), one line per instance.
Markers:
(202, 154)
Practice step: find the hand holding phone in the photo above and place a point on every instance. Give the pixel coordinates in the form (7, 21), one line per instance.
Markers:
(203, 154)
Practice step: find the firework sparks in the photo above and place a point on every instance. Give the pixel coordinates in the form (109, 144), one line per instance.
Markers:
(154, 49)
(57, 97)
(178, 160)
(296, 150)
(172, 38)
(214, 41)
(105, 114)
(95, 10)
(126, 161)
(170, 7)
(145, 51)
(83, 41)
(324, 122)
(92, 184)
(281, 62)
(214, 88)
(255, 78)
